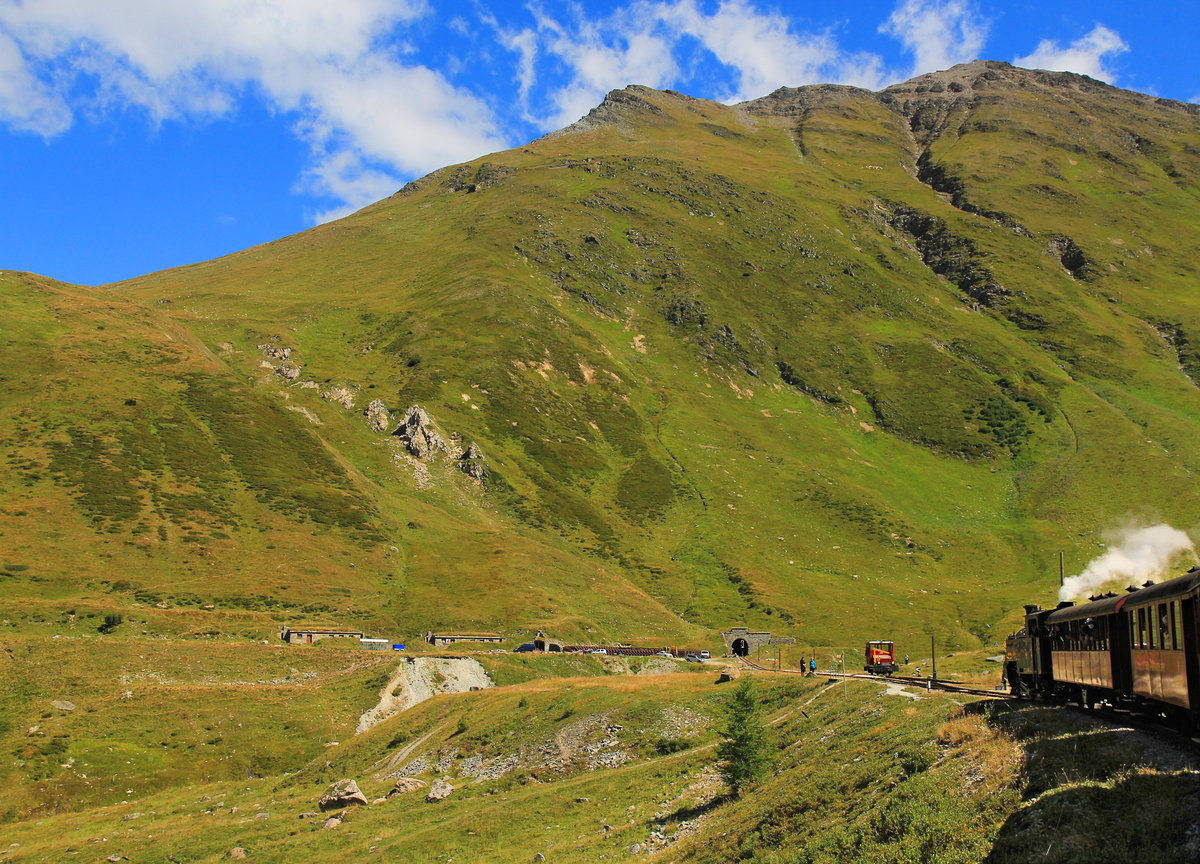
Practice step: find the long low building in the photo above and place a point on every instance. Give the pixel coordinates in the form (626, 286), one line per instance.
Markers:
(308, 635)
(451, 638)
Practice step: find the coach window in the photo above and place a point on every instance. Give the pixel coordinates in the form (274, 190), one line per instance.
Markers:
(1177, 624)
(1164, 627)
(1133, 634)
(1143, 642)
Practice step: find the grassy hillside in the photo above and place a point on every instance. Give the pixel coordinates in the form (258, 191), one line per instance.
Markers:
(828, 362)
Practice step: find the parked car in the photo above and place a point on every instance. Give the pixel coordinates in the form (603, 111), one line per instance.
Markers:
(664, 654)
(704, 655)
(693, 658)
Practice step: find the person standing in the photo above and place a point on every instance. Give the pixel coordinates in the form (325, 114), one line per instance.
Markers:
(812, 666)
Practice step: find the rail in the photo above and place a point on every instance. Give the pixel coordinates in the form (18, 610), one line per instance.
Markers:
(913, 681)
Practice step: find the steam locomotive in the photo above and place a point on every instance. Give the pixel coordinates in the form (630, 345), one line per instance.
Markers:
(1138, 650)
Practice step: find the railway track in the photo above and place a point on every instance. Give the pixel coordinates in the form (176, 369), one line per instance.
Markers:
(911, 681)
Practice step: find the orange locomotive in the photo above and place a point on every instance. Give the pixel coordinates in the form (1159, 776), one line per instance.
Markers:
(881, 658)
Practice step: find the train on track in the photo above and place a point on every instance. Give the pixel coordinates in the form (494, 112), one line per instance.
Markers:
(881, 658)
(1137, 650)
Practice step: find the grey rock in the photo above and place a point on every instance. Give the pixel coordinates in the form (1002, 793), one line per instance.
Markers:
(378, 416)
(343, 396)
(288, 372)
(471, 462)
(439, 791)
(63, 705)
(343, 793)
(407, 784)
(418, 434)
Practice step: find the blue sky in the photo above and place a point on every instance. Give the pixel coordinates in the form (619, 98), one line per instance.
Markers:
(142, 134)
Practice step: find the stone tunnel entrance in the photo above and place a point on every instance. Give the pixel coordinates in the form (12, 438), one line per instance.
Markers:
(742, 642)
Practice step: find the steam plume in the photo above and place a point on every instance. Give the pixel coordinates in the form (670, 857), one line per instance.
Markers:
(1138, 554)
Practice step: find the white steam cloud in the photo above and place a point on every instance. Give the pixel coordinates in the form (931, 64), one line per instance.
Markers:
(1138, 554)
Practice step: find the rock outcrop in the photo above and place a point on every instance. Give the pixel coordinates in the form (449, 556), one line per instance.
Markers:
(471, 462)
(378, 416)
(276, 352)
(343, 396)
(288, 371)
(418, 434)
(343, 793)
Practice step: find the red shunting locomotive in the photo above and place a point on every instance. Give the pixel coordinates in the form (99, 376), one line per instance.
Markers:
(881, 658)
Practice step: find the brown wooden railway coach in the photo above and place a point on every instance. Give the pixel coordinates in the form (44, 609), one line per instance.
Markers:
(1089, 650)
(1161, 627)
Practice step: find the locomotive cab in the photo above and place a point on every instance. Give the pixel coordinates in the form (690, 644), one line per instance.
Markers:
(1027, 657)
(881, 658)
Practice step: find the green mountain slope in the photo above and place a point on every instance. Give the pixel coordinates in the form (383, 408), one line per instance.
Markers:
(834, 363)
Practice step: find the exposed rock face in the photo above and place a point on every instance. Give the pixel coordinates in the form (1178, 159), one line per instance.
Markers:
(288, 371)
(421, 678)
(439, 791)
(471, 462)
(343, 793)
(343, 396)
(378, 416)
(418, 435)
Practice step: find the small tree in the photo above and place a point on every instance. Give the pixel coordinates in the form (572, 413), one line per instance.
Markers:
(743, 753)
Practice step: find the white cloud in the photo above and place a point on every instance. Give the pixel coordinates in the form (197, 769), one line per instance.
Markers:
(937, 34)
(367, 114)
(25, 103)
(1084, 56)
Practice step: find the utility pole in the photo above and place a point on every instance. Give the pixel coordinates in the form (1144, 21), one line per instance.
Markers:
(1062, 572)
(933, 654)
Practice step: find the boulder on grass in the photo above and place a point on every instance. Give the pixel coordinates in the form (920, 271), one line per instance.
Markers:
(343, 793)
(439, 791)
